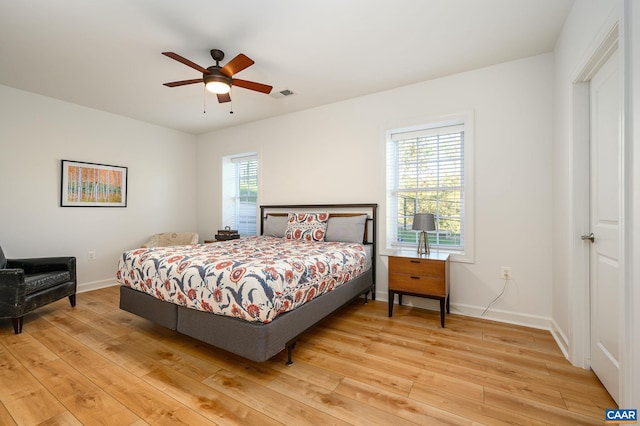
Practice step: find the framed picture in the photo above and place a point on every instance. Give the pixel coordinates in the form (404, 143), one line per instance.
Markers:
(93, 185)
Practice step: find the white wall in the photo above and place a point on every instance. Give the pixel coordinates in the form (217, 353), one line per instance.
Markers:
(336, 154)
(585, 29)
(586, 26)
(37, 132)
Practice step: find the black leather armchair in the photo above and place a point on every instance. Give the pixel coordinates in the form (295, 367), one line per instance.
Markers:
(27, 284)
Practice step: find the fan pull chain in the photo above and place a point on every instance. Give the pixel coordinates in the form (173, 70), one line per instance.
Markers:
(231, 102)
(204, 100)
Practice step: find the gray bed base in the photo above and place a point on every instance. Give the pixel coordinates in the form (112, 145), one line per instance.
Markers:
(252, 340)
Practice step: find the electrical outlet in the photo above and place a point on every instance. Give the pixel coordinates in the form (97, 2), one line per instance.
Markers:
(91, 255)
(506, 272)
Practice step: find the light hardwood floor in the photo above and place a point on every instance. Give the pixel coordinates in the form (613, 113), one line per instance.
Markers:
(96, 364)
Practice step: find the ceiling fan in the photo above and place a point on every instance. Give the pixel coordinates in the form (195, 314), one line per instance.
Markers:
(219, 79)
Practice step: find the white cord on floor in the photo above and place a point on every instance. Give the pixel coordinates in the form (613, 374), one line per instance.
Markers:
(496, 299)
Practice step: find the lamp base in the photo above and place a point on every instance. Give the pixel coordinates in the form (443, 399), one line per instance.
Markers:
(423, 243)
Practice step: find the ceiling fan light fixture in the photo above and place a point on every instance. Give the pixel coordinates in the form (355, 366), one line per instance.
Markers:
(218, 84)
(219, 79)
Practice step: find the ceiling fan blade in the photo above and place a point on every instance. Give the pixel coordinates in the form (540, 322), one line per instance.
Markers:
(224, 98)
(236, 65)
(185, 61)
(252, 85)
(183, 82)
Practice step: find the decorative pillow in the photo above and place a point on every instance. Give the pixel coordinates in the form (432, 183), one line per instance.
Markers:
(348, 229)
(306, 226)
(275, 226)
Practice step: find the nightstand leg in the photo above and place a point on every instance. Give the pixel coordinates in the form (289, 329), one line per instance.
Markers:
(391, 297)
(448, 305)
(442, 303)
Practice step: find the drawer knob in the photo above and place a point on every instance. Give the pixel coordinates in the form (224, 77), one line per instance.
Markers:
(414, 278)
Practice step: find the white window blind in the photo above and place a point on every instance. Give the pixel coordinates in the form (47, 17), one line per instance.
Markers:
(240, 193)
(426, 174)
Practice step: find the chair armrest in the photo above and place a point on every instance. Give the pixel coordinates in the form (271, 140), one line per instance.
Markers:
(12, 290)
(44, 264)
(152, 242)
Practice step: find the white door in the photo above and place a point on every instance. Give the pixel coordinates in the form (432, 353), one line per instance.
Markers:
(605, 225)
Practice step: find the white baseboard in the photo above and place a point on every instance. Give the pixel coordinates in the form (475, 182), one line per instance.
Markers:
(95, 285)
(510, 317)
(560, 338)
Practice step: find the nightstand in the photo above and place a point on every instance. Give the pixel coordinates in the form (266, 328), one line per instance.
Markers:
(208, 241)
(419, 275)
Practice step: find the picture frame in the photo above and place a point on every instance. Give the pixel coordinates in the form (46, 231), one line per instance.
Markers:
(93, 185)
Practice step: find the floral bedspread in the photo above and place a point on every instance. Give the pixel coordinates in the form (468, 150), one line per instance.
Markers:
(253, 278)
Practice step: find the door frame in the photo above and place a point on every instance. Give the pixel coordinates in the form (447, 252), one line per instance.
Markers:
(579, 350)
(630, 353)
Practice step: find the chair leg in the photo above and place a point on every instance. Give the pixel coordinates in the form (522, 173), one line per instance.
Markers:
(17, 324)
(72, 300)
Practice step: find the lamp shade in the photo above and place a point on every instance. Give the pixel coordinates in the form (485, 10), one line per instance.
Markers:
(424, 222)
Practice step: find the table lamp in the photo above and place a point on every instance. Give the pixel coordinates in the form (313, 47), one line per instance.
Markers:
(423, 222)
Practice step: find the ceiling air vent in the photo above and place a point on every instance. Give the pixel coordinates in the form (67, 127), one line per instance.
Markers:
(282, 93)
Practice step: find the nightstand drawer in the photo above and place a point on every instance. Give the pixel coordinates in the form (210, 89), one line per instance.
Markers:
(410, 266)
(417, 284)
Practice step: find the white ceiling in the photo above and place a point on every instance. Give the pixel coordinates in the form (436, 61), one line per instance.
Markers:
(106, 54)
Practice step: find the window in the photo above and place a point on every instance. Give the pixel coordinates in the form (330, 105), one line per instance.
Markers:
(427, 169)
(240, 193)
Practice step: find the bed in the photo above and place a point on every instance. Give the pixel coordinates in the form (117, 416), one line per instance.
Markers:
(255, 296)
